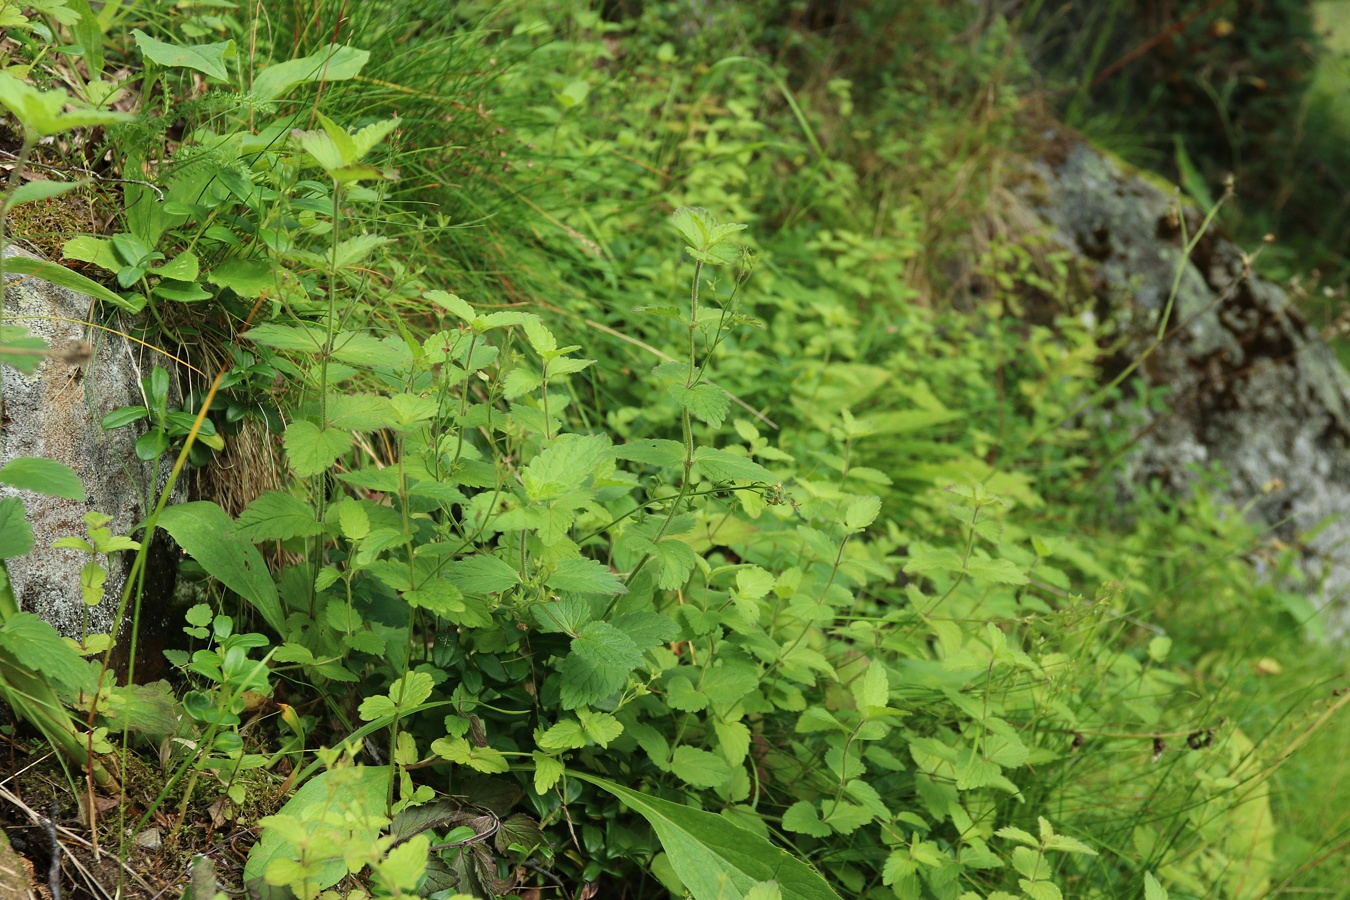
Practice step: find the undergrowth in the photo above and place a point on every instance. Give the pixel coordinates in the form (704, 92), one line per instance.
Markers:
(680, 496)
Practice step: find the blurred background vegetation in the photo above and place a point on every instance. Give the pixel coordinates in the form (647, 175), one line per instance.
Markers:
(872, 148)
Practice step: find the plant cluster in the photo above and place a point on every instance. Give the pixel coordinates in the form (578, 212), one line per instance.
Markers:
(629, 543)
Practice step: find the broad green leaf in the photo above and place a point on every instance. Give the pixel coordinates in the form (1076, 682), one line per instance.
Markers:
(44, 113)
(667, 454)
(752, 582)
(119, 418)
(1153, 890)
(44, 476)
(335, 63)
(42, 190)
(206, 58)
(304, 339)
(602, 657)
(16, 535)
(17, 348)
(715, 859)
(36, 645)
(63, 277)
(246, 277)
(681, 695)
(181, 291)
(311, 451)
(721, 465)
(765, 890)
(203, 529)
(360, 790)
(276, 516)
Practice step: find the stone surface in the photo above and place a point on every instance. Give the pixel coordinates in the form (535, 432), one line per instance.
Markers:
(1253, 387)
(54, 414)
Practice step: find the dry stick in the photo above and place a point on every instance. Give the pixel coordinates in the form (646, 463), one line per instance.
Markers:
(38, 820)
(1146, 46)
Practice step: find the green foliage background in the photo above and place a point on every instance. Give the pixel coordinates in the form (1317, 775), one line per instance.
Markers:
(689, 488)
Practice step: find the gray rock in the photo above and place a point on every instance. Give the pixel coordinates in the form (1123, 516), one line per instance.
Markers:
(54, 414)
(1253, 387)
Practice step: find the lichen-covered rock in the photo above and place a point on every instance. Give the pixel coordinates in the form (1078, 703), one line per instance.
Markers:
(1252, 387)
(54, 413)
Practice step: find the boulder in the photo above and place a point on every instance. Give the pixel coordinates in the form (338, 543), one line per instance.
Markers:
(1252, 387)
(54, 413)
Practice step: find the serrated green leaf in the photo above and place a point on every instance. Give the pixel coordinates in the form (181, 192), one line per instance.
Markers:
(734, 740)
(873, 688)
(699, 767)
(565, 465)
(480, 759)
(585, 576)
(765, 890)
(599, 726)
(845, 817)
(1017, 834)
(482, 574)
(438, 596)
(311, 451)
(705, 402)
(1153, 890)
(999, 571)
(1040, 890)
(647, 629)
(803, 818)
(681, 695)
(1065, 844)
(602, 657)
(729, 681)
(862, 512)
(721, 465)
(38, 647)
(547, 771)
(565, 735)
(276, 516)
